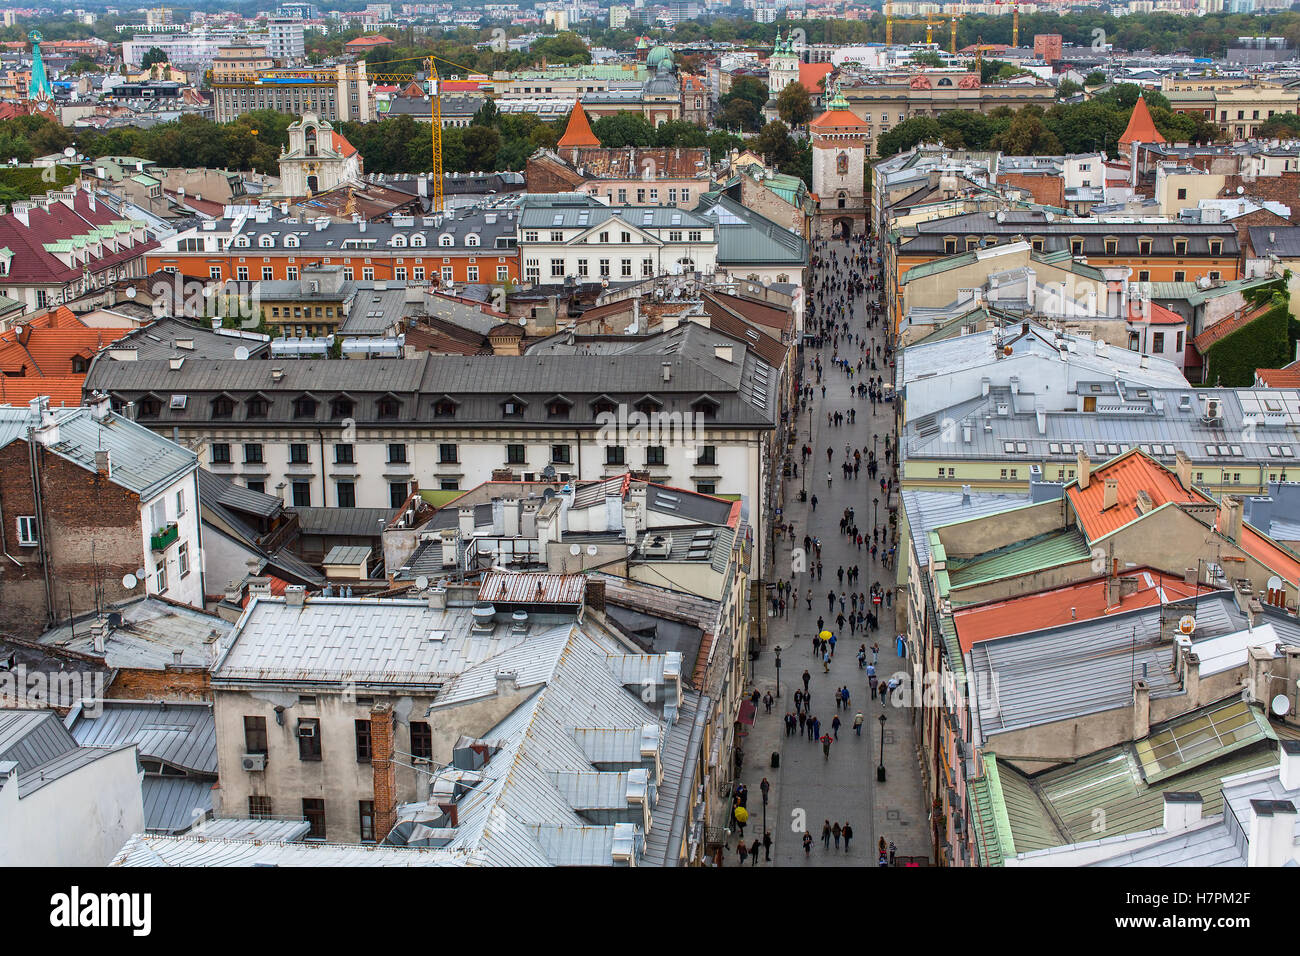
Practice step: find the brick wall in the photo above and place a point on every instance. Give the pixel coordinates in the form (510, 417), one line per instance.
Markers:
(169, 684)
(381, 764)
(92, 533)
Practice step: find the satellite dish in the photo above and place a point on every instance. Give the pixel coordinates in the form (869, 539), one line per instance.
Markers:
(523, 320)
(241, 354)
(130, 292)
(575, 549)
(1240, 190)
(139, 573)
(421, 582)
(548, 494)
(129, 581)
(1186, 624)
(69, 152)
(592, 550)
(1274, 583)
(1281, 706)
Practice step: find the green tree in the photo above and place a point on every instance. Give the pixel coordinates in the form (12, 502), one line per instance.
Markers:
(1095, 78)
(487, 113)
(1026, 136)
(738, 115)
(773, 142)
(566, 48)
(927, 58)
(748, 88)
(153, 55)
(919, 129)
(794, 105)
(1068, 88)
(481, 146)
(624, 129)
(1280, 126)
(721, 143)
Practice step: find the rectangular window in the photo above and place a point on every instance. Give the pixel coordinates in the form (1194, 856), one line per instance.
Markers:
(343, 455)
(471, 274)
(366, 820)
(626, 268)
(27, 531)
(503, 273)
(421, 740)
(604, 268)
(363, 741)
(313, 811)
(582, 268)
(220, 454)
(557, 268)
(1158, 342)
(396, 494)
(418, 273)
(259, 808)
(160, 579)
(1144, 247)
(400, 273)
(515, 454)
(308, 738)
(268, 273)
(447, 454)
(255, 735)
(298, 454)
(708, 455)
(252, 454)
(302, 494)
(560, 454)
(397, 454)
(706, 487)
(183, 559)
(654, 455)
(614, 455)
(347, 493)
(1216, 247)
(647, 268)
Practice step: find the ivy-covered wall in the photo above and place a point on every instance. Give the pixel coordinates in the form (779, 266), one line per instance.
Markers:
(1231, 361)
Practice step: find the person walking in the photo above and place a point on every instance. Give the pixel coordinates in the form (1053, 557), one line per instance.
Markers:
(848, 835)
(835, 726)
(767, 846)
(807, 845)
(844, 691)
(814, 502)
(883, 852)
(838, 698)
(826, 662)
(857, 723)
(826, 745)
(817, 727)
(802, 718)
(892, 851)
(871, 682)
(836, 832)
(826, 835)
(758, 845)
(806, 678)
(742, 851)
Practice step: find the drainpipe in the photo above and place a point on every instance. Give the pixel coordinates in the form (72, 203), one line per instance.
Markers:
(42, 546)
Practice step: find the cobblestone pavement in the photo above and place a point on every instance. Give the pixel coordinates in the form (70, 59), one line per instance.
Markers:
(808, 788)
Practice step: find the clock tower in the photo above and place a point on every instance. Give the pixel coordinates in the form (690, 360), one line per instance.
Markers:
(839, 144)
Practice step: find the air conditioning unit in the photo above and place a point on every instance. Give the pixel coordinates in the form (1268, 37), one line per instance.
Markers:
(306, 730)
(253, 763)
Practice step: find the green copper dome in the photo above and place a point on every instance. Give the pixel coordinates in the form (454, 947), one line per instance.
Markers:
(658, 55)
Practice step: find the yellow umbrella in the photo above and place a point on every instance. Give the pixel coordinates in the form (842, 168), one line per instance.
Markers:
(825, 635)
(742, 815)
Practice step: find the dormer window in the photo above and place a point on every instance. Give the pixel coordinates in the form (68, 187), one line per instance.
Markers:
(304, 407)
(387, 407)
(446, 240)
(291, 242)
(1216, 247)
(149, 407)
(265, 242)
(705, 405)
(604, 405)
(471, 239)
(398, 241)
(258, 407)
(1112, 246)
(1180, 247)
(1144, 246)
(557, 408)
(949, 245)
(241, 242)
(513, 407)
(341, 408)
(223, 407)
(1076, 246)
(444, 408)
(417, 240)
(649, 405)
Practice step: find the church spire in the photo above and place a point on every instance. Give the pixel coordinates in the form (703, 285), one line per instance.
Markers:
(39, 88)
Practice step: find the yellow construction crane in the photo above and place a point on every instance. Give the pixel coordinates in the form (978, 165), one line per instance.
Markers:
(930, 24)
(1015, 22)
(435, 105)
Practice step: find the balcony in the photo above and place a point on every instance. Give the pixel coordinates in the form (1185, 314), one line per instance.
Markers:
(164, 539)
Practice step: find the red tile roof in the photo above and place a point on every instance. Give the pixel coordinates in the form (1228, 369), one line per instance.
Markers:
(367, 42)
(1153, 313)
(1226, 326)
(1135, 472)
(39, 362)
(1141, 127)
(341, 144)
(1076, 602)
(838, 119)
(1278, 377)
(578, 132)
(811, 75)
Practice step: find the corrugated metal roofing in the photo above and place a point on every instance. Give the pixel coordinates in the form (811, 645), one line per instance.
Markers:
(31, 738)
(174, 804)
(180, 734)
(1034, 554)
(530, 588)
(204, 850)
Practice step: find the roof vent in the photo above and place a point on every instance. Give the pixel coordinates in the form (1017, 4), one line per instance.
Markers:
(519, 622)
(484, 618)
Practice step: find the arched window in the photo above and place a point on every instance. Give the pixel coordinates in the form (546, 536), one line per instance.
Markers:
(471, 239)
(417, 240)
(398, 241)
(445, 239)
(265, 242)
(783, 278)
(241, 242)
(291, 242)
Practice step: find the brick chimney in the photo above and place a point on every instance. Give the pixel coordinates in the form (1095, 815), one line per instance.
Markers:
(595, 594)
(1085, 470)
(383, 769)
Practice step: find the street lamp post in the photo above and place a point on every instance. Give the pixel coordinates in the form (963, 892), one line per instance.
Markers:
(880, 771)
(875, 518)
(777, 651)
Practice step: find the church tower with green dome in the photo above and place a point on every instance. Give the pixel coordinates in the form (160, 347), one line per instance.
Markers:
(39, 87)
(782, 70)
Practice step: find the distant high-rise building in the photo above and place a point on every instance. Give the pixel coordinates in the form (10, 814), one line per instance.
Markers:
(298, 11)
(618, 17)
(286, 39)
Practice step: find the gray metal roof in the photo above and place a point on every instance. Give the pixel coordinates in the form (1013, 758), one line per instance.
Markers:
(928, 510)
(486, 225)
(363, 640)
(142, 461)
(182, 735)
(158, 340)
(1085, 667)
(744, 388)
(31, 738)
(221, 491)
(1155, 423)
(151, 632)
(347, 554)
(746, 238)
(174, 804)
(560, 211)
(207, 850)
(1280, 241)
(343, 522)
